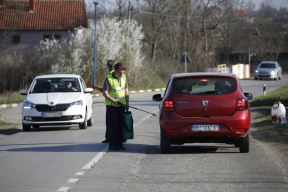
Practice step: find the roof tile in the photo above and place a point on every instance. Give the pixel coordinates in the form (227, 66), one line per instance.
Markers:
(46, 15)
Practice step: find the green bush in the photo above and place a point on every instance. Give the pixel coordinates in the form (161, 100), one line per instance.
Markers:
(268, 100)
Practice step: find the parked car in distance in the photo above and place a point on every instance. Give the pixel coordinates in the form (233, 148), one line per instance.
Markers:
(268, 70)
(204, 108)
(57, 99)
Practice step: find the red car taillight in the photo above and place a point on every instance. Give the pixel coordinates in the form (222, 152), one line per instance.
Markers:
(241, 104)
(169, 105)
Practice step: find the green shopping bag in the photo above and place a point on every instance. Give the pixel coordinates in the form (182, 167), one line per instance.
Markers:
(128, 132)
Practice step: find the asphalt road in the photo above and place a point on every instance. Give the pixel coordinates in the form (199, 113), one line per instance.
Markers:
(69, 159)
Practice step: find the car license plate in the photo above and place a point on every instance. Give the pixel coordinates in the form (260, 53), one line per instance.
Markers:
(205, 127)
(54, 114)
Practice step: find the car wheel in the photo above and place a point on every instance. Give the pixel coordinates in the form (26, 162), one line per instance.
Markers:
(165, 145)
(255, 78)
(84, 124)
(244, 144)
(90, 121)
(26, 127)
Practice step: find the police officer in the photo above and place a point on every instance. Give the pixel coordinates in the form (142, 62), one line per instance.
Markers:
(115, 91)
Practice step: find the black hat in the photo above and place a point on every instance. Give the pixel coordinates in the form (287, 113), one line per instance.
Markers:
(110, 64)
(119, 66)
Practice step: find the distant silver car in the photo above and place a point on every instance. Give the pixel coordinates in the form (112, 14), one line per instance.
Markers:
(268, 70)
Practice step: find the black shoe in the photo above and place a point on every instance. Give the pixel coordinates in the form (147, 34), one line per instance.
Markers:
(105, 141)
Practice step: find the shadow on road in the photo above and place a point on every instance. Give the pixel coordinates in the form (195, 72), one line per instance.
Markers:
(130, 148)
(9, 131)
(155, 149)
(57, 147)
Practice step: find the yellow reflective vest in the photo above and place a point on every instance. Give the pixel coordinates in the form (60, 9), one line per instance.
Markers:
(117, 89)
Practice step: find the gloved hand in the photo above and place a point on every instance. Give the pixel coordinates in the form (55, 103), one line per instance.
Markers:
(126, 107)
(115, 102)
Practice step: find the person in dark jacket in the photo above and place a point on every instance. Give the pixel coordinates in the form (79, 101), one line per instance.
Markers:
(115, 91)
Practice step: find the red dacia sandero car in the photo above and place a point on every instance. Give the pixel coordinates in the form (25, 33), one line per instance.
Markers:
(204, 108)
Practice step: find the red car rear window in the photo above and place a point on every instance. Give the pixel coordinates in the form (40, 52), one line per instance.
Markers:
(204, 85)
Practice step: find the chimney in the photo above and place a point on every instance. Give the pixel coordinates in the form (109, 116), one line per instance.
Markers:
(31, 4)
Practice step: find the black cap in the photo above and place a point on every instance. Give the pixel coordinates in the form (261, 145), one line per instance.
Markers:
(119, 66)
(110, 64)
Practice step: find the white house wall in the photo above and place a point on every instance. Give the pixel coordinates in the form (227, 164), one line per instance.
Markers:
(28, 38)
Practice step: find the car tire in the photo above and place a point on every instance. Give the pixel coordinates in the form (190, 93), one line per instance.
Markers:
(90, 121)
(165, 145)
(84, 124)
(26, 127)
(255, 78)
(244, 144)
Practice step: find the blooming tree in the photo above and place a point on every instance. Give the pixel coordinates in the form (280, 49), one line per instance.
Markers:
(120, 40)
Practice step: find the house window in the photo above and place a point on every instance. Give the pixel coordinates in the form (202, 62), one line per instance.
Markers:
(50, 37)
(57, 37)
(16, 39)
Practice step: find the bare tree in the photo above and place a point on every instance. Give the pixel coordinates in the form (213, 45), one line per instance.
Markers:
(120, 6)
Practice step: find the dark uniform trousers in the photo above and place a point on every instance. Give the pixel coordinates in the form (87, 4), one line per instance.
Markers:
(114, 124)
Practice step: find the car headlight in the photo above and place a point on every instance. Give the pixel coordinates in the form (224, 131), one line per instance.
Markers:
(256, 71)
(28, 105)
(273, 73)
(80, 102)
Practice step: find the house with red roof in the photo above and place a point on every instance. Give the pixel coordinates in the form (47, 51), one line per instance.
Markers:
(30, 21)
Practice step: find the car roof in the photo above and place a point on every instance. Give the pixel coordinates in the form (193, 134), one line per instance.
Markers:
(58, 76)
(268, 62)
(217, 74)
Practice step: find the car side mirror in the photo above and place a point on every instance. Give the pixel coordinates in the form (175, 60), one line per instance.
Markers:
(249, 96)
(23, 92)
(157, 97)
(88, 90)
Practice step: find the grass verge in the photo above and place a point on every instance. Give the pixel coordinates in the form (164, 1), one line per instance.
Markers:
(264, 130)
(262, 127)
(11, 97)
(272, 96)
(7, 128)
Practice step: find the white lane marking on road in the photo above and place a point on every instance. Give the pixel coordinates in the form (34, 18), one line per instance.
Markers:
(63, 189)
(73, 180)
(144, 119)
(95, 159)
(80, 173)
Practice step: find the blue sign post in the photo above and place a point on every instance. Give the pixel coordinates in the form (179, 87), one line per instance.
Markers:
(95, 46)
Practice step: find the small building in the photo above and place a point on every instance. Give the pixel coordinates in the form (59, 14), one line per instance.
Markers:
(27, 22)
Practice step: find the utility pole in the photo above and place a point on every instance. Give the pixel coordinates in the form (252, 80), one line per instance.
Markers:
(129, 10)
(249, 59)
(95, 46)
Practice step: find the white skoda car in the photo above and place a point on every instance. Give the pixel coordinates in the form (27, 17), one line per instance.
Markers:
(58, 99)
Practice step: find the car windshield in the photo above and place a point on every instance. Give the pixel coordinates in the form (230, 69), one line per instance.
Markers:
(268, 65)
(205, 85)
(48, 85)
